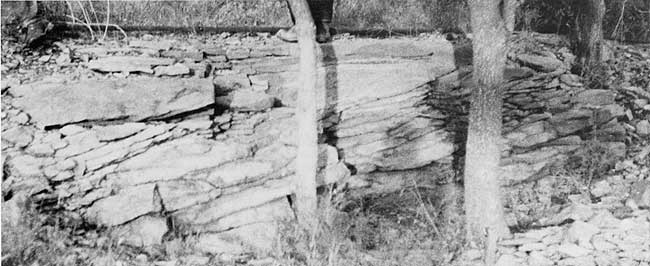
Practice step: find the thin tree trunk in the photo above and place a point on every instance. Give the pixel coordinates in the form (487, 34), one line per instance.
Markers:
(307, 153)
(510, 13)
(483, 206)
(590, 32)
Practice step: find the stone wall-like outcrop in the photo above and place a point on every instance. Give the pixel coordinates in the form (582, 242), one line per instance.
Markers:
(145, 144)
(141, 150)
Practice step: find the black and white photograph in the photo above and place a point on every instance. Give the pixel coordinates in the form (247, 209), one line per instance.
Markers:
(325, 132)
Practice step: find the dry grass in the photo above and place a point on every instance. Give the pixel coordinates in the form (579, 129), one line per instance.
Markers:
(415, 226)
(386, 14)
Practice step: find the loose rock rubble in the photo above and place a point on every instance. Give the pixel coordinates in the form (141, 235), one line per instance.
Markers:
(598, 238)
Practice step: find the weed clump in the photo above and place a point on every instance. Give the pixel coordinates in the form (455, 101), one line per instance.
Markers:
(591, 161)
(409, 227)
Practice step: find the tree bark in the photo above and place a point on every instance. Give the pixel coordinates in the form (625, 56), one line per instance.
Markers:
(307, 153)
(483, 206)
(590, 32)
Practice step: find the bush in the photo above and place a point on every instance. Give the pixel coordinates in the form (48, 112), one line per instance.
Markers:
(625, 20)
(591, 161)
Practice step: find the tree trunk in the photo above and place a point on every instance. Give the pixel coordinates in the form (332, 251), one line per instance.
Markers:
(590, 32)
(510, 11)
(307, 153)
(483, 206)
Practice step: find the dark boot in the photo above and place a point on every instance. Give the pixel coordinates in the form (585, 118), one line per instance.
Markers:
(323, 34)
(321, 11)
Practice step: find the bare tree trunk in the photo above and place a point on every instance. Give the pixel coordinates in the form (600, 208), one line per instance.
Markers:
(510, 11)
(30, 9)
(483, 206)
(590, 32)
(307, 153)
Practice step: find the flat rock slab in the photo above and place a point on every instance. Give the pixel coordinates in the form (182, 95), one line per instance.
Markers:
(52, 104)
(128, 64)
(387, 48)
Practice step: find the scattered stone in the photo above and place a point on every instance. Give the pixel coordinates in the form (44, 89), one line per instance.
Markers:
(141, 258)
(640, 194)
(188, 56)
(201, 69)
(41, 150)
(601, 188)
(145, 231)
(518, 241)
(80, 143)
(63, 176)
(238, 53)
(128, 64)
(536, 258)
(540, 63)
(532, 246)
(247, 100)
(160, 45)
(217, 58)
(25, 166)
(576, 212)
(617, 149)
(22, 118)
(50, 171)
(643, 128)
(515, 73)
(13, 211)
(196, 260)
(598, 97)
(212, 243)
(262, 262)
(166, 263)
(600, 244)
(507, 260)
(124, 206)
(581, 261)
(604, 219)
(70, 130)
(67, 164)
(571, 80)
(228, 83)
(581, 233)
(116, 132)
(473, 254)
(63, 59)
(177, 69)
(19, 136)
(573, 250)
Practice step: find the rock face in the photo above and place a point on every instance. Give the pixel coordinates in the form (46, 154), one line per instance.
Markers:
(216, 155)
(226, 177)
(54, 104)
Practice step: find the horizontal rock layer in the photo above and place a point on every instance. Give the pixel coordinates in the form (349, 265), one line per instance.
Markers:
(388, 109)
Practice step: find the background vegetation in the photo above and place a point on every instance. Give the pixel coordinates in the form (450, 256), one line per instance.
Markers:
(627, 20)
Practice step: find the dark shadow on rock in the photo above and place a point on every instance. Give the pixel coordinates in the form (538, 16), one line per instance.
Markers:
(454, 101)
(331, 113)
(462, 52)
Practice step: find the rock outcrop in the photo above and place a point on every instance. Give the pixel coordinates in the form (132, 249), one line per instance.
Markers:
(153, 142)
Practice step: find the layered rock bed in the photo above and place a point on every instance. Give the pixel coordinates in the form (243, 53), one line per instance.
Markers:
(167, 137)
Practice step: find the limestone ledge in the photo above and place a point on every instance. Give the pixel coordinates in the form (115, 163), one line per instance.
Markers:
(389, 108)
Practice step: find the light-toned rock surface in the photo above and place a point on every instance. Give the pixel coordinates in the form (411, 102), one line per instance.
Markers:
(540, 63)
(51, 104)
(122, 151)
(128, 64)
